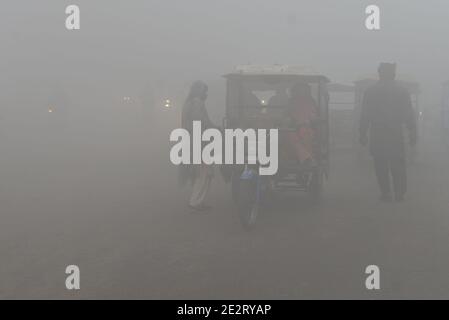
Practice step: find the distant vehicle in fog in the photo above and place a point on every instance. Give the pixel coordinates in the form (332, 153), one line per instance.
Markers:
(58, 109)
(58, 102)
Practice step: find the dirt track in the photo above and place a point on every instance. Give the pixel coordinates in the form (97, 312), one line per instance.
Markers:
(105, 198)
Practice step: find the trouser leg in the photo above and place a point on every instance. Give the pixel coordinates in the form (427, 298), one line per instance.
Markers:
(381, 167)
(399, 174)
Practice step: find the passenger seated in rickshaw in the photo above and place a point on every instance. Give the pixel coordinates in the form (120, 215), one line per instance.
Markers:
(301, 113)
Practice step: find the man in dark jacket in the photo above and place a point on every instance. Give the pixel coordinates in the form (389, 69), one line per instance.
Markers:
(386, 109)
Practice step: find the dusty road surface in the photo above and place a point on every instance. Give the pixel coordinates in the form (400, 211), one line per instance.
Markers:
(104, 196)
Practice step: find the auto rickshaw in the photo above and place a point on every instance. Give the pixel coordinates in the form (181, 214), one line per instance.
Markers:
(260, 98)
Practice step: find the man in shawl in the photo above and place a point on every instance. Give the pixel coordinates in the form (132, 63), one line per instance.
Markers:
(199, 174)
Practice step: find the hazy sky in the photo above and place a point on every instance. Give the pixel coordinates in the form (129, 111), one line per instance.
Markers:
(192, 39)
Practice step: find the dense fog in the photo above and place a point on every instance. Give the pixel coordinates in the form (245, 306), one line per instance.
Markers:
(86, 177)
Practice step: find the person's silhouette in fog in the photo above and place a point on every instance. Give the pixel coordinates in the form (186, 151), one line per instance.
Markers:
(386, 109)
(201, 174)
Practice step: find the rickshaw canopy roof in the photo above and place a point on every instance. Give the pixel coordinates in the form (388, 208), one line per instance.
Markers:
(276, 72)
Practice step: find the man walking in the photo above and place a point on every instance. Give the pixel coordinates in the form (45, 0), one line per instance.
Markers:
(386, 109)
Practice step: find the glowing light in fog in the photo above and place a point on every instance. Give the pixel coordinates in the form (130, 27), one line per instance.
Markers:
(50, 110)
(167, 103)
